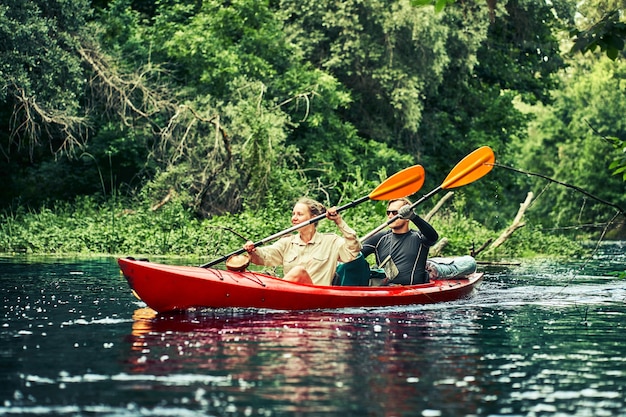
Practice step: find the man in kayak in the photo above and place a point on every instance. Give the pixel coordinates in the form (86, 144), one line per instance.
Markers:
(402, 251)
(309, 257)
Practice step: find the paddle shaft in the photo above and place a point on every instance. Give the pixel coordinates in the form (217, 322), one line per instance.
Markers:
(286, 231)
(397, 216)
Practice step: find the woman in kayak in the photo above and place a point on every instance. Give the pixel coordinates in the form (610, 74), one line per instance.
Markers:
(309, 257)
(401, 251)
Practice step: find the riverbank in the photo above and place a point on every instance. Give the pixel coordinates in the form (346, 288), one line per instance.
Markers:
(88, 228)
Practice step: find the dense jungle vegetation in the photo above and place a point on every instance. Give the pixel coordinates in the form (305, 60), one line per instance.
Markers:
(188, 126)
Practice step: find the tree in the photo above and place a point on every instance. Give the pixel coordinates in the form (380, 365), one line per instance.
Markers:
(42, 80)
(41, 91)
(514, 59)
(569, 144)
(388, 56)
(601, 26)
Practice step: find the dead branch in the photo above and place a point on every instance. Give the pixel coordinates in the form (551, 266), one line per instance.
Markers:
(438, 206)
(583, 226)
(29, 119)
(475, 252)
(580, 190)
(517, 222)
(118, 92)
(131, 98)
(437, 248)
(298, 97)
(164, 201)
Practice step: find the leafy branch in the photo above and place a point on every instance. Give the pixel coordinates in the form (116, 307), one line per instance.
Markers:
(608, 34)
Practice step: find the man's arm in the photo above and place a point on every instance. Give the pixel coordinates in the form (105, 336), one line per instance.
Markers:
(430, 234)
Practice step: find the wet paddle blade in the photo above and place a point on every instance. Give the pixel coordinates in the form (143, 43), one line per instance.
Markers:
(473, 167)
(401, 184)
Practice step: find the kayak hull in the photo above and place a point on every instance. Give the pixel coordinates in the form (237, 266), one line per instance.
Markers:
(166, 288)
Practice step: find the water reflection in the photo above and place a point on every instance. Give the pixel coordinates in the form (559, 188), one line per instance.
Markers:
(510, 350)
(296, 360)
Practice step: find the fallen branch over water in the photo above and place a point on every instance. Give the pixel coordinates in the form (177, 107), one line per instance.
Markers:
(437, 248)
(580, 190)
(517, 222)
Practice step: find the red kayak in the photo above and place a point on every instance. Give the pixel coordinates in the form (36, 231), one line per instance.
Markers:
(173, 288)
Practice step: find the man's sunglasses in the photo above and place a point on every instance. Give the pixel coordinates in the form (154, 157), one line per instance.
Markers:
(394, 212)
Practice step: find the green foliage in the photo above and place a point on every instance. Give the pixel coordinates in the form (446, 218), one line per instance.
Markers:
(462, 233)
(274, 113)
(38, 51)
(527, 43)
(388, 58)
(608, 34)
(606, 31)
(526, 243)
(49, 116)
(618, 166)
(439, 4)
(491, 67)
(567, 144)
(88, 227)
(216, 43)
(41, 77)
(120, 32)
(120, 154)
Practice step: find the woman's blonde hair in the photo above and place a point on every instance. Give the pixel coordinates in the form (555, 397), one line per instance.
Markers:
(315, 207)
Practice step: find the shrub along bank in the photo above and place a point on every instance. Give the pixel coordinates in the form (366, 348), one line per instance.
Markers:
(128, 228)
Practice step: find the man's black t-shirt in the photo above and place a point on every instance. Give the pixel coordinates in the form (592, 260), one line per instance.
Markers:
(408, 251)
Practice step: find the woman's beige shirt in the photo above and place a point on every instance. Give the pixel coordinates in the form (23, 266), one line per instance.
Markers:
(319, 256)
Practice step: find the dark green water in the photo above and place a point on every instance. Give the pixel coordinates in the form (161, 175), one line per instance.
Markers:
(540, 339)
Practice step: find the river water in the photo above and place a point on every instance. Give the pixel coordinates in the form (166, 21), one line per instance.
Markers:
(542, 338)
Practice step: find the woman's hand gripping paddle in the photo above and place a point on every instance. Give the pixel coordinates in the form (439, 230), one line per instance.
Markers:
(471, 168)
(401, 184)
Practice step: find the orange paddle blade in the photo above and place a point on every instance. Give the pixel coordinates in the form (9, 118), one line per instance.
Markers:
(399, 185)
(474, 166)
